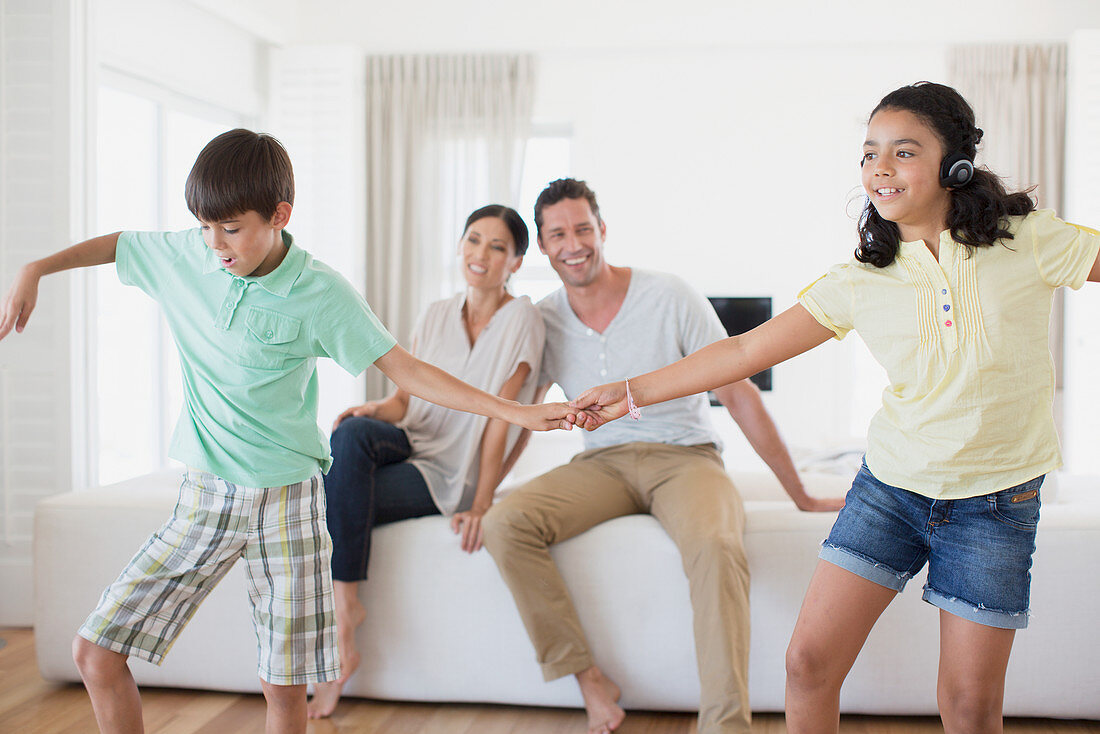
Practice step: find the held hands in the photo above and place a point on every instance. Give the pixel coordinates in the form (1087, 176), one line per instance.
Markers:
(370, 410)
(599, 405)
(547, 416)
(19, 302)
(468, 525)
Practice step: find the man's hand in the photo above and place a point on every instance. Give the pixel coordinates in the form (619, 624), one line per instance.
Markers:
(19, 302)
(468, 524)
(819, 504)
(368, 410)
(601, 405)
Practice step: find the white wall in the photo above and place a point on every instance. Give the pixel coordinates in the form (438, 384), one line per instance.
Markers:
(181, 47)
(444, 26)
(1081, 428)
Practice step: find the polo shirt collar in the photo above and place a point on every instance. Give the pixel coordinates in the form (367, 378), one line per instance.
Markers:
(280, 280)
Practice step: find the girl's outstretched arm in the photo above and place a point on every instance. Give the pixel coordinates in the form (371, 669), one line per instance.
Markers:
(789, 334)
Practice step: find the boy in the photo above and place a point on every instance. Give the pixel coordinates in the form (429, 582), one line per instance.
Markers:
(250, 313)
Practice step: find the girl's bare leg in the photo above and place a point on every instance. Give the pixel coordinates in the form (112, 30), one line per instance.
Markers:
(837, 614)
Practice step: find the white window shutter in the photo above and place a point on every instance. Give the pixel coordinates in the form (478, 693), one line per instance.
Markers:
(40, 150)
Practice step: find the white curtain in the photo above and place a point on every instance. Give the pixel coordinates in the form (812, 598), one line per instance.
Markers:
(1018, 93)
(445, 135)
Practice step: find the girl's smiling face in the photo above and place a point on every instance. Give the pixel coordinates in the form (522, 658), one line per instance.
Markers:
(901, 174)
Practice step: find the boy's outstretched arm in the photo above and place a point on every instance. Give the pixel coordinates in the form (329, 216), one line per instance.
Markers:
(23, 294)
(787, 335)
(437, 386)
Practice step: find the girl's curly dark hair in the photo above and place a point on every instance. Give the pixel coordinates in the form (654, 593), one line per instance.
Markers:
(977, 217)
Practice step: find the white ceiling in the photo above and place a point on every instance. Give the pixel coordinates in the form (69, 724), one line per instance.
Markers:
(560, 25)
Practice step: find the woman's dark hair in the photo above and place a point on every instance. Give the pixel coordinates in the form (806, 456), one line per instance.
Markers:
(510, 217)
(977, 217)
(237, 172)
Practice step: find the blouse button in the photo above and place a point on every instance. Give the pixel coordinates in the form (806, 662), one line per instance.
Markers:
(269, 333)
(946, 307)
(947, 323)
(944, 291)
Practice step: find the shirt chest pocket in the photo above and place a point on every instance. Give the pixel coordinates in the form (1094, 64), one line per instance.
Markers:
(267, 338)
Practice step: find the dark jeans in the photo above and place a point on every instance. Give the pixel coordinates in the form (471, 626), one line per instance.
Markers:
(369, 484)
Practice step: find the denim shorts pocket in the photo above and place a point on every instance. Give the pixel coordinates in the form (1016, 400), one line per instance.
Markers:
(1017, 506)
(267, 338)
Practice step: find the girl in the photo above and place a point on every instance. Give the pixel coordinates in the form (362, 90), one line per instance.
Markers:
(403, 457)
(951, 290)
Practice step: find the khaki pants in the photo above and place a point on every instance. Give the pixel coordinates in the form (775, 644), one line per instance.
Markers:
(687, 489)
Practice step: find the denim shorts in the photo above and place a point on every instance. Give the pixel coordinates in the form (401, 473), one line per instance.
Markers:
(978, 549)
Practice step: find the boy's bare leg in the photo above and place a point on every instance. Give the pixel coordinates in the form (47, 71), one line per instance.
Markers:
(115, 698)
(286, 708)
(601, 701)
(350, 613)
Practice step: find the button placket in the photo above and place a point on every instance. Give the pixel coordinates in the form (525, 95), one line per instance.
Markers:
(603, 355)
(229, 305)
(948, 328)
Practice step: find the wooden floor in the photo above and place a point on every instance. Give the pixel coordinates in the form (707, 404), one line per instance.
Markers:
(30, 705)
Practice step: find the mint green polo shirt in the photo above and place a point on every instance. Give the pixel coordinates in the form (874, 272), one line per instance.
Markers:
(248, 349)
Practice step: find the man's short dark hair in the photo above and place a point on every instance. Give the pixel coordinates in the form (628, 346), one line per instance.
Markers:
(564, 188)
(239, 171)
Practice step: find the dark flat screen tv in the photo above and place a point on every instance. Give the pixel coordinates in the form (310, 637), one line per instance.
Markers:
(738, 315)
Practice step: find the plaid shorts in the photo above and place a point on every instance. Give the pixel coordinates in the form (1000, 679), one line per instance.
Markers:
(280, 532)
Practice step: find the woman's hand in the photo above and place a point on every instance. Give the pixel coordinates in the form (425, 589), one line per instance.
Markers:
(19, 302)
(468, 525)
(370, 410)
(546, 416)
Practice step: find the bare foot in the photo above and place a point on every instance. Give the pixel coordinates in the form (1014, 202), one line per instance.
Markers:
(601, 701)
(349, 615)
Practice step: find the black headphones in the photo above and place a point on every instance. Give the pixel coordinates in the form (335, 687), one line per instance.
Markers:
(956, 171)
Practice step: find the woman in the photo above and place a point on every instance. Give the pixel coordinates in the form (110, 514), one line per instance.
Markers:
(403, 457)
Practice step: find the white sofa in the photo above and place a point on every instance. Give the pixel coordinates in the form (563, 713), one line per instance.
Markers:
(441, 625)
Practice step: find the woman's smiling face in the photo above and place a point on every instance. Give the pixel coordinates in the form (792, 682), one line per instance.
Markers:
(488, 253)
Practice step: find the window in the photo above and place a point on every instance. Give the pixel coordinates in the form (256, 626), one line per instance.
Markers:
(147, 141)
(548, 157)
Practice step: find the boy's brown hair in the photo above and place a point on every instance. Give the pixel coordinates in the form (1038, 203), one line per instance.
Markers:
(239, 171)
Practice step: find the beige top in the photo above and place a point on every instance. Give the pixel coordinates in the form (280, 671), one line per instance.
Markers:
(446, 443)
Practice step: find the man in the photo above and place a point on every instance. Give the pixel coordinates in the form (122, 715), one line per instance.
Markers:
(608, 322)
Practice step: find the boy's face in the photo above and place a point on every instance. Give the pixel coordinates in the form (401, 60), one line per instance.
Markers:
(247, 244)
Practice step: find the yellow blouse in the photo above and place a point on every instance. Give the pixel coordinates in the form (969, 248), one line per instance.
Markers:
(964, 341)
